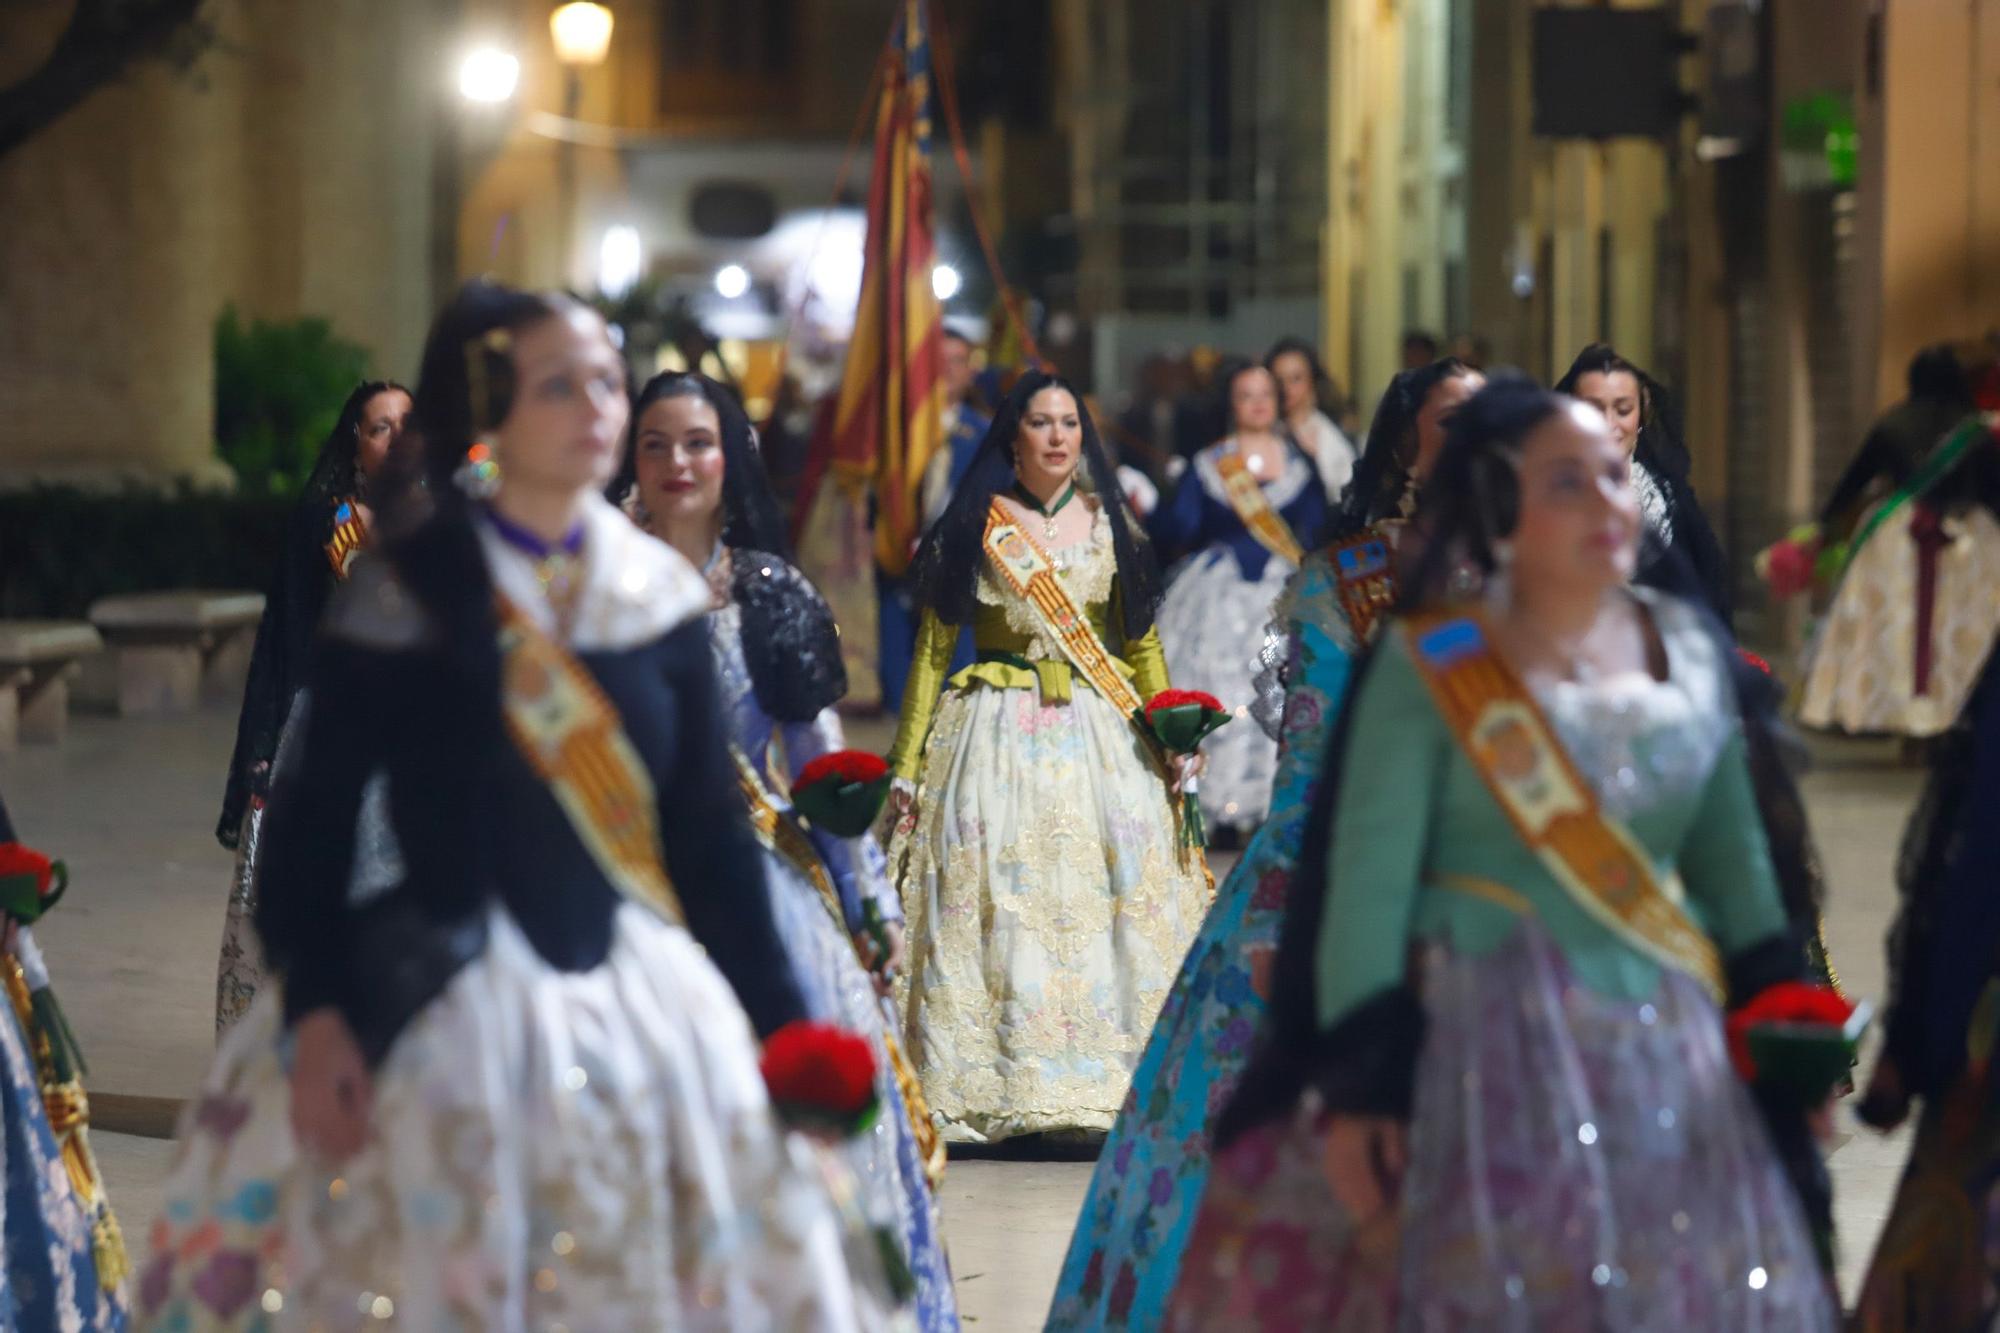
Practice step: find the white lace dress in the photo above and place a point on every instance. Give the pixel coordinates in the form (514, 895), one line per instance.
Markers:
(1048, 902)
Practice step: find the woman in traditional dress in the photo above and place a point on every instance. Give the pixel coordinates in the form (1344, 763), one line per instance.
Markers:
(1640, 413)
(516, 1090)
(1937, 1264)
(1303, 388)
(698, 484)
(1037, 850)
(1241, 519)
(328, 528)
(1129, 1237)
(65, 1258)
(1917, 610)
(1679, 554)
(1493, 1090)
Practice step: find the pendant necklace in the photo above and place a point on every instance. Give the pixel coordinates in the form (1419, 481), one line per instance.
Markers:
(557, 566)
(1048, 512)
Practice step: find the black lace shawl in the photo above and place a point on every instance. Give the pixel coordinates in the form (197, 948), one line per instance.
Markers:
(790, 641)
(294, 602)
(1944, 943)
(1686, 533)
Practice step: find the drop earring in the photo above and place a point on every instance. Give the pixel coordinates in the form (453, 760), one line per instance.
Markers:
(479, 475)
(1500, 583)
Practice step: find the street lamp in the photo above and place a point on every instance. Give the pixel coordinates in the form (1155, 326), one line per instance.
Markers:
(581, 32)
(488, 75)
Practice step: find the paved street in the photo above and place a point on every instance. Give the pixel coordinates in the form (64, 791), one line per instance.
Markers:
(131, 805)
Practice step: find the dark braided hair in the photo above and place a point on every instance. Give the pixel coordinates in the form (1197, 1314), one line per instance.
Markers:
(948, 562)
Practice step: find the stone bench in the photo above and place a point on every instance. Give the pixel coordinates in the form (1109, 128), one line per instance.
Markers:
(37, 660)
(171, 651)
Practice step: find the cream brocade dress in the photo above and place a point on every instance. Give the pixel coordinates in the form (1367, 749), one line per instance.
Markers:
(1048, 902)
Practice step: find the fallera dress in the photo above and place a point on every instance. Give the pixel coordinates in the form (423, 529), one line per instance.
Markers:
(1049, 902)
(777, 658)
(1581, 1153)
(1219, 596)
(1134, 1223)
(569, 1126)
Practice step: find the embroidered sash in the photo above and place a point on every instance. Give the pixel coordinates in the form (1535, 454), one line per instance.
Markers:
(1364, 579)
(1247, 498)
(572, 737)
(1029, 570)
(783, 838)
(1550, 804)
(350, 534)
(786, 840)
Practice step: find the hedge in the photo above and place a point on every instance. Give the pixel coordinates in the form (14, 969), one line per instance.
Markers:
(62, 548)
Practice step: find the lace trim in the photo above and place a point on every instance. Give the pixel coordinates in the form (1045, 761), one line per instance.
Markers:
(1086, 568)
(1642, 742)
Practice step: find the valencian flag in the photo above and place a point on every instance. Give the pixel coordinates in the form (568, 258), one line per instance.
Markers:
(889, 417)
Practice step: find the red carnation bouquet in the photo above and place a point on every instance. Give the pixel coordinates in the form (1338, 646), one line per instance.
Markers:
(842, 792)
(1799, 1037)
(821, 1077)
(30, 883)
(1181, 720)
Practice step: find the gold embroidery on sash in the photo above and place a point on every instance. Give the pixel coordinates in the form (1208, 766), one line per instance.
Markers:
(1364, 579)
(785, 839)
(350, 534)
(572, 737)
(1246, 497)
(1025, 567)
(1551, 806)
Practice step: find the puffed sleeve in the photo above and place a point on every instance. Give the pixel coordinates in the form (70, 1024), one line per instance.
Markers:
(935, 643)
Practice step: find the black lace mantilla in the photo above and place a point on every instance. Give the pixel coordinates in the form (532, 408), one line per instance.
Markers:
(790, 641)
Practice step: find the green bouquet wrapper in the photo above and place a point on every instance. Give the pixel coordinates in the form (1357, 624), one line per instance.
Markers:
(1180, 720)
(1806, 1060)
(842, 792)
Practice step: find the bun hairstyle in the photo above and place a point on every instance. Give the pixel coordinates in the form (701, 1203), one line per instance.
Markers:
(466, 385)
(1473, 499)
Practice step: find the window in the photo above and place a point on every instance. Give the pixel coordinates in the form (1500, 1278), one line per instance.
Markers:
(728, 57)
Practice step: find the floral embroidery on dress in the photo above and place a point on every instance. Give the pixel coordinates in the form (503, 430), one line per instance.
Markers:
(1043, 932)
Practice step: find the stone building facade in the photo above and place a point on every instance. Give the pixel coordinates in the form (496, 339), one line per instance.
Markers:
(289, 172)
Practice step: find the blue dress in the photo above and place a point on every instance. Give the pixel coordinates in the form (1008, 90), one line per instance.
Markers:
(1219, 598)
(886, 1158)
(1126, 1252)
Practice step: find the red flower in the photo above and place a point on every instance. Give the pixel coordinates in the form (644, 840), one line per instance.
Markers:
(1788, 568)
(1754, 660)
(1181, 699)
(846, 765)
(1786, 1002)
(819, 1069)
(16, 859)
